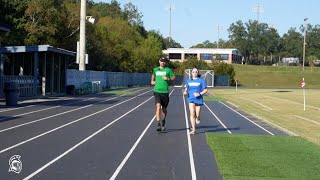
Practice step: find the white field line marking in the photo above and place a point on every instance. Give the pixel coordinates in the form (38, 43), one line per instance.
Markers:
(257, 103)
(291, 101)
(277, 126)
(218, 119)
(192, 166)
(123, 162)
(55, 129)
(248, 119)
(233, 104)
(313, 121)
(31, 112)
(83, 141)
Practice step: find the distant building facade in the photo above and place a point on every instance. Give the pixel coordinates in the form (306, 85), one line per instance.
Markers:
(290, 61)
(229, 56)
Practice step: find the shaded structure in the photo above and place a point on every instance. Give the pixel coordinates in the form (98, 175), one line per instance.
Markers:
(38, 70)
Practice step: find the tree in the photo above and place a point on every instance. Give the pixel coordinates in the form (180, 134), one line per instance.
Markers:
(205, 44)
(43, 18)
(132, 14)
(312, 41)
(190, 63)
(225, 69)
(239, 38)
(291, 44)
(145, 56)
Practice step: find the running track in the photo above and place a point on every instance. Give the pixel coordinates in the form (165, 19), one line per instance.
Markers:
(104, 136)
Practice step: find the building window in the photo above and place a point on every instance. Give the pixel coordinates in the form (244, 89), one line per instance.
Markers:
(221, 57)
(174, 55)
(206, 56)
(186, 56)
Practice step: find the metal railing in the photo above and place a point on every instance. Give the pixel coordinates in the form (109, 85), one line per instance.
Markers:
(24, 84)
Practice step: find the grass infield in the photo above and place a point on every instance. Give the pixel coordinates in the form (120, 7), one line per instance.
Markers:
(118, 92)
(265, 157)
(283, 107)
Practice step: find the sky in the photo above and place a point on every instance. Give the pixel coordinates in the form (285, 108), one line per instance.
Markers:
(195, 21)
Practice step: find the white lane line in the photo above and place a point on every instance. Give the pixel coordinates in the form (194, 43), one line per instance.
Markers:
(31, 122)
(248, 119)
(55, 129)
(117, 171)
(257, 103)
(218, 119)
(277, 126)
(115, 174)
(31, 112)
(192, 166)
(83, 141)
(317, 108)
(313, 121)
(13, 127)
(233, 104)
(6, 110)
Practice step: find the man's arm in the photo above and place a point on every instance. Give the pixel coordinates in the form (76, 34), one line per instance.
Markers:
(152, 80)
(173, 78)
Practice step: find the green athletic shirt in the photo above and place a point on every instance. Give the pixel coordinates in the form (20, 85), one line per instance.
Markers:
(162, 86)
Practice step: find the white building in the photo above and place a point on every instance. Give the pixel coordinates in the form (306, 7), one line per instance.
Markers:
(290, 60)
(204, 54)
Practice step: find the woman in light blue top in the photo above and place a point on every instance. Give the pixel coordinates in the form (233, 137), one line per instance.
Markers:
(195, 88)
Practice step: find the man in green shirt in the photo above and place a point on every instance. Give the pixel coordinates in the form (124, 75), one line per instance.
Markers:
(160, 79)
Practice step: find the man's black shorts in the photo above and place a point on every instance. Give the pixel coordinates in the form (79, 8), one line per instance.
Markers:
(162, 98)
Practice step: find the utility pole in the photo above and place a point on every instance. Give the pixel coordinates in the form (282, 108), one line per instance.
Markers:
(219, 27)
(170, 8)
(304, 42)
(82, 45)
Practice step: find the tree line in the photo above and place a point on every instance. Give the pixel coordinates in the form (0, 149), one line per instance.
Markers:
(118, 41)
(261, 44)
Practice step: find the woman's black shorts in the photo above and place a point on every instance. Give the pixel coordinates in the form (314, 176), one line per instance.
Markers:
(162, 98)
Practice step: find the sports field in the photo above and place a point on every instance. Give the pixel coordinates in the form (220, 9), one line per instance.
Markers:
(283, 108)
(265, 157)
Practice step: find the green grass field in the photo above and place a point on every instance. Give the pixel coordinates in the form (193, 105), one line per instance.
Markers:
(282, 107)
(265, 157)
(273, 95)
(117, 92)
(276, 76)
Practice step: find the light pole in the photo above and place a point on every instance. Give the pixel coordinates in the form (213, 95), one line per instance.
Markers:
(304, 42)
(82, 46)
(219, 27)
(258, 9)
(170, 8)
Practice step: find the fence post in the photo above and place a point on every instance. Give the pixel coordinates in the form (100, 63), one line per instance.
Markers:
(43, 86)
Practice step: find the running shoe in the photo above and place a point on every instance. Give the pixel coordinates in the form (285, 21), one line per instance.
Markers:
(197, 121)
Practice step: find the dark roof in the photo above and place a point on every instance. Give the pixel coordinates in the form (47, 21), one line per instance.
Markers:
(38, 48)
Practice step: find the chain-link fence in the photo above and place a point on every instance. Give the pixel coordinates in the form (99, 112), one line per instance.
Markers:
(96, 81)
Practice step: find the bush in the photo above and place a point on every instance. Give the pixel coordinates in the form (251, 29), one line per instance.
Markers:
(225, 69)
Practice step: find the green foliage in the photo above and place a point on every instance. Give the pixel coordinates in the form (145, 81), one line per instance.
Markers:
(117, 41)
(191, 63)
(225, 69)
